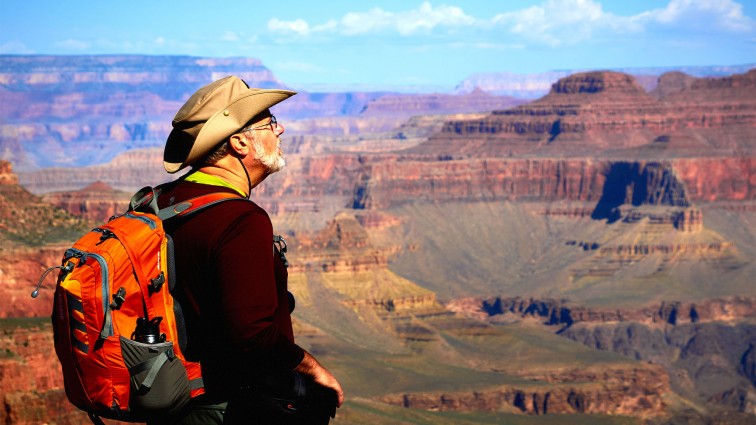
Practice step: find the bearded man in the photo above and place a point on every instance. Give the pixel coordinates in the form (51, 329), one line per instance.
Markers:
(231, 276)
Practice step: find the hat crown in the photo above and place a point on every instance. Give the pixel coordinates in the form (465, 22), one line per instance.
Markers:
(209, 99)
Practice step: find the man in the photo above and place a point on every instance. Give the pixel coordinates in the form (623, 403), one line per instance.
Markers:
(231, 279)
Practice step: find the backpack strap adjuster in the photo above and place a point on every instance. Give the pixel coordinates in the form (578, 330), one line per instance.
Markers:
(118, 299)
(157, 283)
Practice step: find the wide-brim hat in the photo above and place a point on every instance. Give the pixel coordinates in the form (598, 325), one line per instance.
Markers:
(211, 115)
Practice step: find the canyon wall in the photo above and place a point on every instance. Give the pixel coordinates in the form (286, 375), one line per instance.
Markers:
(706, 346)
(589, 391)
(609, 183)
(604, 111)
(96, 202)
(533, 86)
(109, 104)
(562, 313)
(31, 385)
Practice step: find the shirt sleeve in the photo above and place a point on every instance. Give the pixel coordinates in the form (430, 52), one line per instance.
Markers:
(248, 291)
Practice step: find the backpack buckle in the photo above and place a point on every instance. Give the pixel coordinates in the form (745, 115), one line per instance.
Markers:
(118, 299)
(157, 283)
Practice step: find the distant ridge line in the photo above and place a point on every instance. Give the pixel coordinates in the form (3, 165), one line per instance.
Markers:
(535, 85)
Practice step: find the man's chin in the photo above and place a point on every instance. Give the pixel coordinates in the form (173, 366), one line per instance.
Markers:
(276, 166)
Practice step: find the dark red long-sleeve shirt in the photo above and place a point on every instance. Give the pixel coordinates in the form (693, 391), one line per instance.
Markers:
(232, 287)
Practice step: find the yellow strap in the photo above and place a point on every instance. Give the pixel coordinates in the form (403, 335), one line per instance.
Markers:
(204, 178)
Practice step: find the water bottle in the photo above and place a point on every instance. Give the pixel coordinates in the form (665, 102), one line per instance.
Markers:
(148, 331)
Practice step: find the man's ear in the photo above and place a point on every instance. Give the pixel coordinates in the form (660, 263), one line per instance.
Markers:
(239, 145)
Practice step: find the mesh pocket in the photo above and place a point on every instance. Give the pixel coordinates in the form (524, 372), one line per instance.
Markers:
(159, 384)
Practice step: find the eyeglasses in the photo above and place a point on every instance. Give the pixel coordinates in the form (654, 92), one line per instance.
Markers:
(272, 125)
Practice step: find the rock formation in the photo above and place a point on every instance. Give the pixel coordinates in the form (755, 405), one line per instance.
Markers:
(111, 104)
(687, 338)
(533, 86)
(7, 177)
(351, 265)
(706, 360)
(96, 202)
(30, 379)
(598, 111)
(677, 182)
(562, 313)
(33, 234)
(588, 391)
(426, 104)
(26, 220)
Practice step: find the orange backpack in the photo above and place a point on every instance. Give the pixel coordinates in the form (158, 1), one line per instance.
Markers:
(114, 319)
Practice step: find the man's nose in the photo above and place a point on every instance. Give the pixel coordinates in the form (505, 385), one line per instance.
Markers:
(279, 129)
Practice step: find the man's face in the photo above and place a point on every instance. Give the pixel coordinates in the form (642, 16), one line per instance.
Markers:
(266, 139)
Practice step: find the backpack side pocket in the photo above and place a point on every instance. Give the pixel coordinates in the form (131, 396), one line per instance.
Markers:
(159, 382)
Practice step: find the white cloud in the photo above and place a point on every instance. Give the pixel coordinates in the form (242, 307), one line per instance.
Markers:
(15, 48)
(723, 15)
(71, 44)
(230, 36)
(376, 20)
(299, 26)
(557, 22)
(560, 22)
(330, 26)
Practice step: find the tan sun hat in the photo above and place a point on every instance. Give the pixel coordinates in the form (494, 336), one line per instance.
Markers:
(211, 115)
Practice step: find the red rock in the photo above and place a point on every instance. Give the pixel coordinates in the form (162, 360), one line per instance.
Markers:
(97, 202)
(6, 173)
(636, 392)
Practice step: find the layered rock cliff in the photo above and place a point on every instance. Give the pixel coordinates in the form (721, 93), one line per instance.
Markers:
(706, 345)
(26, 220)
(533, 86)
(106, 105)
(30, 380)
(604, 111)
(709, 360)
(350, 264)
(59, 104)
(637, 392)
(33, 234)
(562, 313)
(609, 183)
(96, 202)
(424, 104)
(7, 177)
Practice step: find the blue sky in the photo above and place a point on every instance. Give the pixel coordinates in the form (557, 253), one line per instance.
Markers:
(394, 43)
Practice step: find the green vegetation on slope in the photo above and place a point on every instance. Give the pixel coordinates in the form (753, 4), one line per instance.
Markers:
(25, 220)
(513, 249)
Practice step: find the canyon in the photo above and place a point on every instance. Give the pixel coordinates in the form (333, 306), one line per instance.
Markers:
(587, 252)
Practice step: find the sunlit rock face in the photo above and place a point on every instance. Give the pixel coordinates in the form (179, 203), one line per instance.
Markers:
(606, 392)
(97, 202)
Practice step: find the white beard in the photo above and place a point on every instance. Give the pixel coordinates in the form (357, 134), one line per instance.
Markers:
(273, 161)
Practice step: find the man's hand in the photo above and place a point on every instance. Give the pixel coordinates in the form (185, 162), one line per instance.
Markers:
(309, 366)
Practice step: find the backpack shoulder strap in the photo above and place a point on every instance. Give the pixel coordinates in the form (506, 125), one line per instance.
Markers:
(195, 204)
(146, 200)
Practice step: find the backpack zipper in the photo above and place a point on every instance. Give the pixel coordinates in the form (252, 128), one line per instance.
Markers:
(107, 326)
(148, 221)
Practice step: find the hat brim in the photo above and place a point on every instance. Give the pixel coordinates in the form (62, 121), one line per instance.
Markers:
(181, 152)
